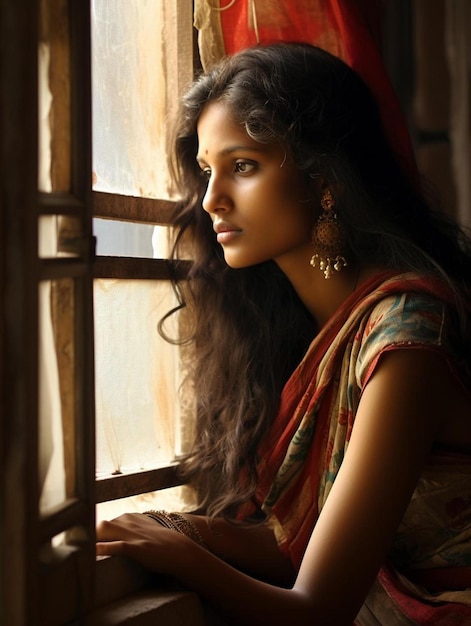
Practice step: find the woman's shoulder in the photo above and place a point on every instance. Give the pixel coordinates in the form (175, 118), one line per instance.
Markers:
(406, 319)
(408, 315)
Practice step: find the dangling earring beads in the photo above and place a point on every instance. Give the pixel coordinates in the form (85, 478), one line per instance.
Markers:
(328, 237)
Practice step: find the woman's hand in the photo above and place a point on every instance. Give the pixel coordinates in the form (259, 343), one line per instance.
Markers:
(166, 551)
(252, 549)
(141, 538)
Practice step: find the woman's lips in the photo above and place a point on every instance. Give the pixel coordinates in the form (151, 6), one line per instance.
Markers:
(226, 236)
(226, 232)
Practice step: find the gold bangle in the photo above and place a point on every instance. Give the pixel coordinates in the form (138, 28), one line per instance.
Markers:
(179, 523)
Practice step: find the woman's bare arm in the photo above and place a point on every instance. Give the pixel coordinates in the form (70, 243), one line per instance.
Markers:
(252, 549)
(399, 414)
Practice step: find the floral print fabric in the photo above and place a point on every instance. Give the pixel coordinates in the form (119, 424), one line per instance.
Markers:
(302, 456)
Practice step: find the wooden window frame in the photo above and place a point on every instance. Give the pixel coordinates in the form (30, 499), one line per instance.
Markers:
(30, 566)
(18, 336)
(41, 583)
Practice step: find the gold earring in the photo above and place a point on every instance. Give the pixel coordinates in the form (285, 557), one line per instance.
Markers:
(328, 238)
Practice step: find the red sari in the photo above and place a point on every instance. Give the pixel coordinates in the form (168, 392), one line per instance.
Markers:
(301, 456)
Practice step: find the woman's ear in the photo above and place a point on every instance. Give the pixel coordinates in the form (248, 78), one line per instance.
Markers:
(322, 188)
(325, 186)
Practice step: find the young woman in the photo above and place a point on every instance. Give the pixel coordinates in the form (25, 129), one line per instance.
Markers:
(329, 313)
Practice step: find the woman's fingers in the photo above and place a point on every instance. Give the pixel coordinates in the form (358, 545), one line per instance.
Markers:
(111, 548)
(112, 530)
(141, 538)
(125, 526)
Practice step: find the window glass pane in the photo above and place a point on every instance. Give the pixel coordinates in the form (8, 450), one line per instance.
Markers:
(127, 239)
(59, 236)
(115, 238)
(137, 376)
(44, 108)
(56, 392)
(139, 65)
(54, 99)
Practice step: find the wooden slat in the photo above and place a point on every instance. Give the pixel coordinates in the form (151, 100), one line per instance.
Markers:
(60, 204)
(124, 485)
(139, 269)
(70, 513)
(132, 209)
(83, 434)
(51, 269)
(19, 306)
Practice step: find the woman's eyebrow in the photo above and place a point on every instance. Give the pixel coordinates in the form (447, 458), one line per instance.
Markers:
(231, 149)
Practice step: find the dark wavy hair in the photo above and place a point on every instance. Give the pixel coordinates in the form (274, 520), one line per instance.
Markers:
(248, 329)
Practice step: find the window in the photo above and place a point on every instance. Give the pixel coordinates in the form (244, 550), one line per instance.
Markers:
(46, 276)
(135, 90)
(80, 328)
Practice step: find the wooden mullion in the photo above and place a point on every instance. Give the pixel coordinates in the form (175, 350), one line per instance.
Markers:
(131, 484)
(139, 269)
(52, 269)
(81, 104)
(60, 204)
(19, 305)
(132, 209)
(83, 429)
(68, 514)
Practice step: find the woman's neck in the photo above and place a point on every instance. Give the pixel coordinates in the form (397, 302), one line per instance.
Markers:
(321, 296)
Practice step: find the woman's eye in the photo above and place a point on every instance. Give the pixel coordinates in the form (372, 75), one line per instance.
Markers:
(243, 167)
(206, 173)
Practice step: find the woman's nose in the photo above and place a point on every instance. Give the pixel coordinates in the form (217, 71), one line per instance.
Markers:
(216, 197)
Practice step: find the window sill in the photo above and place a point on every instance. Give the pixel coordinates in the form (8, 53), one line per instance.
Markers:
(172, 608)
(126, 594)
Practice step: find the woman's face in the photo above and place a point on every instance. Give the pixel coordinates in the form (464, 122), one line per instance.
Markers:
(257, 198)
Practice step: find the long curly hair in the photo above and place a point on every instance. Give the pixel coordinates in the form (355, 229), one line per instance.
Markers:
(248, 328)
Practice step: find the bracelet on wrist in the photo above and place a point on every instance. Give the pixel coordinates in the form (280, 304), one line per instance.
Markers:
(178, 523)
